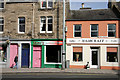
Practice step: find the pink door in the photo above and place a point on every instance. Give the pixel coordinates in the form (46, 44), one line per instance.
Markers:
(36, 56)
(13, 53)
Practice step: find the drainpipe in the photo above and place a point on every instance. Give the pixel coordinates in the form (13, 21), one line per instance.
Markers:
(33, 21)
(63, 52)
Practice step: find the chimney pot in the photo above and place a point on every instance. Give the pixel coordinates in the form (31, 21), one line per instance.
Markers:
(82, 5)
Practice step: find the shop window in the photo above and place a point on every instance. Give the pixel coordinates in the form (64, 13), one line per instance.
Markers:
(77, 30)
(3, 53)
(1, 4)
(46, 24)
(112, 54)
(21, 24)
(111, 30)
(94, 30)
(1, 24)
(46, 4)
(53, 54)
(77, 54)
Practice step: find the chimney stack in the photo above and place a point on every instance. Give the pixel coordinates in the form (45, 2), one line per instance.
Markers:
(82, 5)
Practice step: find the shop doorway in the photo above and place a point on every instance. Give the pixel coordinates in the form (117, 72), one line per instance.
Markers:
(37, 56)
(13, 53)
(25, 55)
(94, 58)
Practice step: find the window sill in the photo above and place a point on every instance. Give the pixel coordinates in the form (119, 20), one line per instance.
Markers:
(1, 32)
(112, 62)
(77, 62)
(1, 9)
(111, 37)
(21, 32)
(77, 37)
(46, 9)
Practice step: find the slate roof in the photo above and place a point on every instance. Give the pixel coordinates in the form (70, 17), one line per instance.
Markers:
(98, 14)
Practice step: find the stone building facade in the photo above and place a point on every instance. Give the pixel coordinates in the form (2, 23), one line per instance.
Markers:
(22, 27)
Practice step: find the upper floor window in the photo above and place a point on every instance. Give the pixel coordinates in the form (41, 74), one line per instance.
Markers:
(1, 4)
(46, 24)
(21, 24)
(46, 4)
(111, 30)
(94, 30)
(77, 30)
(1, 24)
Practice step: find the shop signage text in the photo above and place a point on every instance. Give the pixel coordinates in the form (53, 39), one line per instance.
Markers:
(47, 42)
(108, 41)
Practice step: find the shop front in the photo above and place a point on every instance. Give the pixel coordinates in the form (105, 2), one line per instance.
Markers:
(46, 53)
(98, 53)
(4, 51)
(22, 49)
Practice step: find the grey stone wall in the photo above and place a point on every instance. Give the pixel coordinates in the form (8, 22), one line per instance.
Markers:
(12, 11)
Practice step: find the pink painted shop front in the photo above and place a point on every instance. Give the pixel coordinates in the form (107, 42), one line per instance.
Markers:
(13, 53)
(37, 56)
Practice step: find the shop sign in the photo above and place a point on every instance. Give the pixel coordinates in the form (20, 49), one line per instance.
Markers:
(47, 43)
(103, 41)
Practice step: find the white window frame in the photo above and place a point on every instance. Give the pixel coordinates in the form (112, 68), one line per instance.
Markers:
(19, 26)
(41, 4)
(82, 54)
(74, 30)
(49, 23)
(51, 62)
(3, 25)
(111, 30)
(2, 1)
(117, 54)
(41, 25)
(46, 17)
(94, 31)
(46, 4)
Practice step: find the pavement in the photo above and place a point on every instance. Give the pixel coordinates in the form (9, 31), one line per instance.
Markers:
(68, 70)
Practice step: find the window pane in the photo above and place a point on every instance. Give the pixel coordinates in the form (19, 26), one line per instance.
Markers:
(53, 54)
(78, 27)
(77, 34)
(43, 27)
(77, 56)
(111, 27)
(112, 57)
(49, 19)
(94, 27)
(22, 28)
(22, 20)
(50, 3)
(94, 34)
(43, 23)
(1, 21)
(1, 5)
(111, 34)
(50, 23)
(1, 27)
(43, 3)
(49, 27)
(21, 24)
